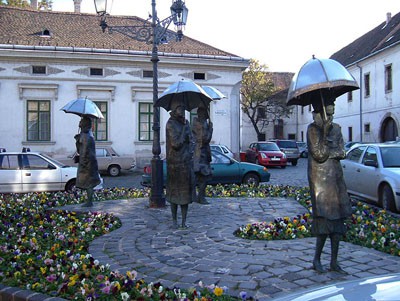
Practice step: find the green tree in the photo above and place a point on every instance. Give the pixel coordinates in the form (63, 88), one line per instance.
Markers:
(42, 4)
(262, 101)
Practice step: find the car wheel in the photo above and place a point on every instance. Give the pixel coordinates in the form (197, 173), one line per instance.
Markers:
(387, 198)
(114, 170)
(294, 163)
(71, 185)
(251, 179)
(283, 166)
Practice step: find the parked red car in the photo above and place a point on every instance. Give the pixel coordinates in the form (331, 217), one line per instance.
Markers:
(266, 154)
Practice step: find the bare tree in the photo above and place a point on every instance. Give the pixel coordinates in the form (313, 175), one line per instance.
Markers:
(262, 100)
(42, 4)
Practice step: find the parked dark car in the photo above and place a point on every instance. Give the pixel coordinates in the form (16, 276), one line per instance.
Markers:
(372, 172)
(303, 149)
(289, 147)
(266, 154)
(225, 170)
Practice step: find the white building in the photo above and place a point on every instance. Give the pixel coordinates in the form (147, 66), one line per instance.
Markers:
(50, 58)
(372, 113)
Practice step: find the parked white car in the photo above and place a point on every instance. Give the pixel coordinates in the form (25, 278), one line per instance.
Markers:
(22, 172)
(372, 171)
(222, 149)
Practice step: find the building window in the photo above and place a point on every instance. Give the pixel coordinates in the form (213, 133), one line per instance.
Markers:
(38, 69)
(367, 84)
(96, 71)
(367, 128)
(38, 120)
(147, 73)
(199, 75)
(388, 78)
(261, 113)
(145, 121)
(100, 125)
(350, 96)
(302, 110)
(350, 133)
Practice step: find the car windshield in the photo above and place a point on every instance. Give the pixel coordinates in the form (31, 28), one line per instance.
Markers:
(60, 164)
(287, 144)
(269, 147)
(218, 157)
(390, 156)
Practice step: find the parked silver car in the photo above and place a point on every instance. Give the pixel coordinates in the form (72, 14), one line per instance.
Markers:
(380, 287)
(372, 171)
(108, 160)
(22, 172)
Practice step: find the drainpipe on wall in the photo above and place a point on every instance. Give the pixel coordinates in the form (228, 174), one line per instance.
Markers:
(361, 94)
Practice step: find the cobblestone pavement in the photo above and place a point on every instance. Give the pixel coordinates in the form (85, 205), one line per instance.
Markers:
(208, 250)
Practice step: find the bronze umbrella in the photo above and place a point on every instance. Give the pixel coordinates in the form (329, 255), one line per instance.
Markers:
(317, 75)
(187, 92)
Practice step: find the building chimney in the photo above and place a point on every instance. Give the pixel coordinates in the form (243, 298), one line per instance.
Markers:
(77, 6)
(34, 4)
(388, 17)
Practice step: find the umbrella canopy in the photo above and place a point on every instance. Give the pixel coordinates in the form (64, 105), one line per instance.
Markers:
(214, 93)
(187, 92)
(317, 74)
(82, 106)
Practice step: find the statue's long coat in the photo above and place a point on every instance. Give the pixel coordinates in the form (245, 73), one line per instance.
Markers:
(179, 149)
(88, 171)
(325, 175)
(202, 133)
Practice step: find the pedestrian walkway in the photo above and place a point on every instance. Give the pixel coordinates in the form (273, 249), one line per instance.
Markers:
(208, 250)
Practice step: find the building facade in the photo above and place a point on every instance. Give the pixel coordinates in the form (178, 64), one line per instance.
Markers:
(372, 113)
(50, 58)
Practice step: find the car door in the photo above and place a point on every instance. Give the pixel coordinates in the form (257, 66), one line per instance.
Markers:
(39, 174)
(10, 174)
(103, 159)
(367, 177)
(224, 170)
(350, 166)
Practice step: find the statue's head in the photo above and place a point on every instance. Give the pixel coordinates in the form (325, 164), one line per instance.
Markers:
(178, 108)
(85, 124)
(202, 113)
(326, 99)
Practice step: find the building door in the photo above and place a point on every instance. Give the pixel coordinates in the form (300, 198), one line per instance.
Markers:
(389, 130)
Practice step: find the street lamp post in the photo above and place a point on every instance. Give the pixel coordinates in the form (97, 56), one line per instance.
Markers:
(156, 33)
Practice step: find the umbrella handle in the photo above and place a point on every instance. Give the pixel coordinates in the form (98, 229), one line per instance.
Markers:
(323, 106)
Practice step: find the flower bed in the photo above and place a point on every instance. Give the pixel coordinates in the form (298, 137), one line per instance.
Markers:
(45, 250)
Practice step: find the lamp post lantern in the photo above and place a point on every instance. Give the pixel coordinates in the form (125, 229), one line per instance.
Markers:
(156, 33)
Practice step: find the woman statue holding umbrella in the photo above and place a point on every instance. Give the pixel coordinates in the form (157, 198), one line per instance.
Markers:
(88, 173)
(202, 131)
(179, 150)
(319, 82)
(330, 201)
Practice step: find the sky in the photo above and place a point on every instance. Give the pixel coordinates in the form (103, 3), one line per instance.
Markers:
(282, 34)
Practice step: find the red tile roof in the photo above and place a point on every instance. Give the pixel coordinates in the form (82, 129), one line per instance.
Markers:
(25, 27)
